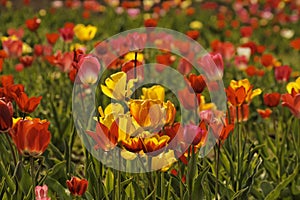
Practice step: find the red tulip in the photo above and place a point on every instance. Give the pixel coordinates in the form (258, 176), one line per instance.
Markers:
(77, 186)
(272, 99)
(33, 24)
(12, 47)
(6, 80)
(267, 60)
(106, 138)
(194, 34)
(197, 83)
(292, 102)
(38, 49)
(67, 33)
(128, 68)
(295, 43)
(246, 31)
(150, 23)
(6, 114)
(25, 104)
(52, 38)
(31, 136)
(283, 73)
(26, 60)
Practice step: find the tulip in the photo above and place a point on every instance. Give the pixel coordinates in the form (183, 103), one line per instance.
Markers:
(31, 136)
(292, 103)
(240, 92)
(41, 193)
(117, 87)
(67, 34)
(293, 86)
(155, 144)
(6, 114)
(105, 137)
(52, 38)
(267, 60)
(25, 104)
(197, 83)
(85, 33)
(272, 99)
(212, 65)
(264, 113)
(89, 68)
(26, 60)
(283, 73)
(33, 24)
(156, 92)
(77, 186)
(12, 47)
(150, 22)
(152, 113)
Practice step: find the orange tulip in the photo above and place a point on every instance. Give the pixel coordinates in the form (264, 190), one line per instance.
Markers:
(31, 136)
(151, 113)
(77, 186)
(264, 113)
(27, 105)
(133, 144)
(155, 144)
(239, 92)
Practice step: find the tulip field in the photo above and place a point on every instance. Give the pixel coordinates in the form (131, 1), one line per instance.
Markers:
(178, 99)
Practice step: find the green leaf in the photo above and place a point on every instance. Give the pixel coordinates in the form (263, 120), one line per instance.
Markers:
(198, 191)
(150, 195)
(109, 181)
(283, 184)
(24, 178)
(130, 191)
(9, 180)
(57, 169)
(57, 188)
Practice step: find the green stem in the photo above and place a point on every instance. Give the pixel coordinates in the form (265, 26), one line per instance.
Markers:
(239, 150)
(32, 175)
(180, 186)
(217, 169)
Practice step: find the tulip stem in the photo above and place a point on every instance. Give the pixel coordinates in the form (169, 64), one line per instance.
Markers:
(217, 169)
(135, 72)
(11, 148)
(32, 175)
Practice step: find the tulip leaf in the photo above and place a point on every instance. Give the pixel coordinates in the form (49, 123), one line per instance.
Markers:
(7, 177)
(274, 194)
(109, 181)
(57, 169)
(23, 178)
(198, 191)
(130, 191)
(57, 188)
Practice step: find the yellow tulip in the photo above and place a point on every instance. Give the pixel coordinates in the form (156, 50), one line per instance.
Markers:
(294, 85)
(117, 87)
(131, 56)
(85, 33)
(196, 25)
(156, 92)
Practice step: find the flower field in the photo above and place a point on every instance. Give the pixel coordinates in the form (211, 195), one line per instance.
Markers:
(149, 99)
